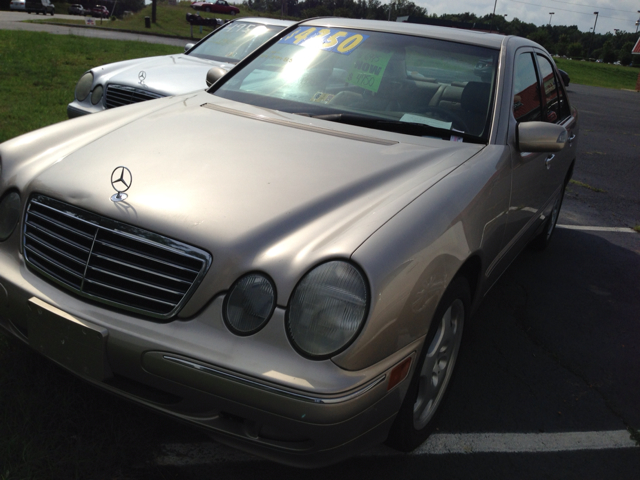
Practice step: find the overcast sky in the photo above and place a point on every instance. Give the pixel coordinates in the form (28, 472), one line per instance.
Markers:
(621, 14)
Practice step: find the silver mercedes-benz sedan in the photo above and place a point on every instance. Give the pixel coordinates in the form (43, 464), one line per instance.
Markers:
(141, 79)
(289, 259)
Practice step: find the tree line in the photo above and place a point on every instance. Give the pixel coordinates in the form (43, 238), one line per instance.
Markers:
(557, 39)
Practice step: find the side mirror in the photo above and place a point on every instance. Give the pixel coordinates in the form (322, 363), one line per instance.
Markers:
(214, 74)
(188, 47)
(541, 137)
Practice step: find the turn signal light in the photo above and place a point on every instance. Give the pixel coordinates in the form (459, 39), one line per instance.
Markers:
(399, 373)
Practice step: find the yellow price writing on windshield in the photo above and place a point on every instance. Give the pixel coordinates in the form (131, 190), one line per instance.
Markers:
(330, 40)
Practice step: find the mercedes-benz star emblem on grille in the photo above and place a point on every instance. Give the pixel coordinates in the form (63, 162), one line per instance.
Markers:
(141, 76)
(121, 180)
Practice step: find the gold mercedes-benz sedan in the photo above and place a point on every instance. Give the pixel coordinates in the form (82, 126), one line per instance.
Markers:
(289, 258)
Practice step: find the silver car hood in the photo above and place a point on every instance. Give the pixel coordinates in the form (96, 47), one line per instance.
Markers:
(259, 189)
(167, 75)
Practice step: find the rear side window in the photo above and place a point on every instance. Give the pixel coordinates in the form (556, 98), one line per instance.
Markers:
(556, 105)
(526, 90)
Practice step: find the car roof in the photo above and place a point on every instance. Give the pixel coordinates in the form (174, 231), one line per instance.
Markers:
(473, 37)
(265, 21)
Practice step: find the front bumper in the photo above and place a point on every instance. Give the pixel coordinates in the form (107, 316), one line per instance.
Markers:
(162, 366)
(77, 109)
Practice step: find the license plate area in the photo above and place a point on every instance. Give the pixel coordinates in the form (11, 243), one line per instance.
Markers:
(76, 344)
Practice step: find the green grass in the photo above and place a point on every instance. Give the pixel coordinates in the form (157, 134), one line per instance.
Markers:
(39, 73)
(599, 74)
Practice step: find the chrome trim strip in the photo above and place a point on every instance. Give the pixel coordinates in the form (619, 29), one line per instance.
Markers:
(121, 276)
(47, 258)
(57, 223)
(131, 252)
(112, 260)
(49, 246)
(309, 128)
(275, 390)
(127, 292)
(48, 232)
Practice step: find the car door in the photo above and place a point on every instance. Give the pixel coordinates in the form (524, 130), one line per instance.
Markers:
(536, 177)
(528, 168)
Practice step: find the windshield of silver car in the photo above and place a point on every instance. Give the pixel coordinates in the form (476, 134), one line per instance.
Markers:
(234, 41)
(400, 83)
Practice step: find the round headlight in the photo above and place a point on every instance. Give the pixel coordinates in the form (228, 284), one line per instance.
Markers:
(9, 214)
(96, 95)
(327, 309)
(84, 86)
(249, 304)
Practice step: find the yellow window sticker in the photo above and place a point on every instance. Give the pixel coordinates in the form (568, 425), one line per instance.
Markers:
(367, 70)
(321, 97)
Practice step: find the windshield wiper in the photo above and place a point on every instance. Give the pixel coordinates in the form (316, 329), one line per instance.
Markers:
(396, 126)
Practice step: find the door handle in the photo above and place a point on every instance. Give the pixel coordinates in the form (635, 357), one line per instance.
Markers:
(547, 161)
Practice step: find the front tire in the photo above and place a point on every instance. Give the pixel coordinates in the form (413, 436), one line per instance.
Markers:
(416, 418)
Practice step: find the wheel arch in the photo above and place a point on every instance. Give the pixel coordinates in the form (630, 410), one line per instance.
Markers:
(471, 269)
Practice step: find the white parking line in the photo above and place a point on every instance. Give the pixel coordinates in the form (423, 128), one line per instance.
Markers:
(438, 444)
(598, 229)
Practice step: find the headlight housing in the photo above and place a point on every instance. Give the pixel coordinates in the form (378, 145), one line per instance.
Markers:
(84, 86)
(249, 304)
(9, 214)
(96, 95)
(327, 309)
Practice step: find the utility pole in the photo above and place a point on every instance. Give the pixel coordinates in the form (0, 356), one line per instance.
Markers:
(551, 14)
(493, 15)
(594, 32)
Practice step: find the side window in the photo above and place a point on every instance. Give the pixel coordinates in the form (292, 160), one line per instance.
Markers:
(557, 106)
(550, 84)
(526, 91)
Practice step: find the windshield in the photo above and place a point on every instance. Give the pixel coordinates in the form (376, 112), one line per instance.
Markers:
(232, 42)
(412, 85)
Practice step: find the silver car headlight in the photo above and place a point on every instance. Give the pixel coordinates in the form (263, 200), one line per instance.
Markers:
(327, 309)
(9, 214)
(249, 304)
(96, 95)
(84, 86)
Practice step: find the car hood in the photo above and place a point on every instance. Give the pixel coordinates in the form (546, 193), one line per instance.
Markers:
(166, 75)
(259, 189)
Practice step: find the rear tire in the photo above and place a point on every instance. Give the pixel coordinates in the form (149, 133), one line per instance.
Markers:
(417, 416)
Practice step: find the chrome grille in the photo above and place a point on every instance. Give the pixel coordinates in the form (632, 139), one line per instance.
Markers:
(118, 95)
(110, 262)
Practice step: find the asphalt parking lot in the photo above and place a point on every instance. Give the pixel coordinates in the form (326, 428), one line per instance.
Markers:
(548, 384)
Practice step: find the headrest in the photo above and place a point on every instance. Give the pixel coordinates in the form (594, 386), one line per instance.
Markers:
(475, 97)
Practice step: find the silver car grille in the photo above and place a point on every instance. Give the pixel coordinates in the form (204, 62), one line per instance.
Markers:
(118, 95)
(110, 262)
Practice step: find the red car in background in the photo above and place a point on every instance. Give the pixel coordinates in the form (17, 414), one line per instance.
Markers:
(219, 6)
(100, 11)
